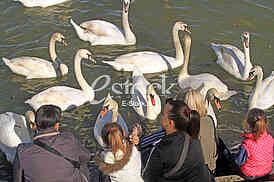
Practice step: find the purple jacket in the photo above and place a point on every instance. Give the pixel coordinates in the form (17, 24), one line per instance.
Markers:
(35, 164)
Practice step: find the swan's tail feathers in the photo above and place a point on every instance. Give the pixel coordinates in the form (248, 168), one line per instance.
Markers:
(228, 94)
(6, 61)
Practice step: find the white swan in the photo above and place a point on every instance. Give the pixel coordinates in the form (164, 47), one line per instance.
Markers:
(195, 81)
(232, 59)
(262, 96)
(40, 3)
(145, 100)
(152, 62)
(99, 32)
(33, 67)
(63, 96)
(108, 114)
(13, 131)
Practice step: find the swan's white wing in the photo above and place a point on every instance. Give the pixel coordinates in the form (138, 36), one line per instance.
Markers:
(146, 61)
(40, 3)
(209, 81)
(104, 28)
(32, 67)
(13, 131)
(266, 93)
(100, 122)
(230, 58)
(62, 96)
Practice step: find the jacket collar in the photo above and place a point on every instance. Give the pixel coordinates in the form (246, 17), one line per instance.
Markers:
(45, 133)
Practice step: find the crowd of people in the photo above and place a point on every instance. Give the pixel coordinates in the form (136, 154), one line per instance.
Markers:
(187, 149)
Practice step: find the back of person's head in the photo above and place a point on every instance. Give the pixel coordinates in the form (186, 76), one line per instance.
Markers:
(194, 100)
(184, 118)
(47, 116)
(113, 136)
(256, 121)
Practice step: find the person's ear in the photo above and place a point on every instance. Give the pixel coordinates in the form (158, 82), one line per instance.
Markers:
(56, 126)
(171, 124)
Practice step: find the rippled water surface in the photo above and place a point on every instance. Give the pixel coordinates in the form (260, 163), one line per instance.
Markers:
(26, 32)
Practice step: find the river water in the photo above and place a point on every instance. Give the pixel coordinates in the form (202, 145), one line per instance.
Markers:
(26, 32)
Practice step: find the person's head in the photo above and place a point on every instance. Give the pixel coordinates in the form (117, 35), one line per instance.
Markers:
(177, 116)
(47, 116)
(194, 100)
(256, 121)
(113, 136)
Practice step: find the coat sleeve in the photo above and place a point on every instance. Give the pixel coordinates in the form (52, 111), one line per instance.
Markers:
(17, 170)
(154, 168)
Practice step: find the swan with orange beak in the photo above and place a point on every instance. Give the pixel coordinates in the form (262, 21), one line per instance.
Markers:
(108, 114)
(145, 100)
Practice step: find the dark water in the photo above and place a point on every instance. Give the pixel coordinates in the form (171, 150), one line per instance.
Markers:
(26, 31)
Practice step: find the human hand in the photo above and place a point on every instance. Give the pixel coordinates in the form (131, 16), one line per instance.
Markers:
(134, 138)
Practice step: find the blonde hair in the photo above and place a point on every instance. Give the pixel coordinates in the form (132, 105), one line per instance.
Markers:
(113, 136)
(256, 120)
(194, 100)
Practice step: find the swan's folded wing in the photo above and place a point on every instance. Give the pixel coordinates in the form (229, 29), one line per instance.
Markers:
(103, 28)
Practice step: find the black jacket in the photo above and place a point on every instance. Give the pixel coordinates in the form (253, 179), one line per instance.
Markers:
(35, 164)
(165, 156)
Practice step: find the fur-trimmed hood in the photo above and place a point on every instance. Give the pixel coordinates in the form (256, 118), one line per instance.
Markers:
(108, 168)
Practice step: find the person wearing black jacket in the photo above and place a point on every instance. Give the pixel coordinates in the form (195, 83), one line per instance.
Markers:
(162, 164)
(53, 156)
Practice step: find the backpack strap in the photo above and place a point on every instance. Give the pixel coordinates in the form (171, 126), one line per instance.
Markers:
(43, 145)
(182, 158)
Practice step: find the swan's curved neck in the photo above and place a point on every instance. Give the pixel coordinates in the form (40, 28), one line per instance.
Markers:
(253, 102)
(248, 64)
(129, 35)
(78, 73)
(177, 45)
(52, 52)
(184, 71)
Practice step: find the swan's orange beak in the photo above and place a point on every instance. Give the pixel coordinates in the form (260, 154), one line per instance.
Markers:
(246, 44)
(91, 58)
(104, 112)
(217, 103)
(64, 42)
(152, 99)
(56, 126)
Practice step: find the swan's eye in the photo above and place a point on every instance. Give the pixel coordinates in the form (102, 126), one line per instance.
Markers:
(152, 96)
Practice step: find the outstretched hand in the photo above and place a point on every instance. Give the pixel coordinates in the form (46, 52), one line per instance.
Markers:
(134, 138)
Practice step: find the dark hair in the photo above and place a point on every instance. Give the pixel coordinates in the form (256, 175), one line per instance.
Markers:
(184, 118)
(47, 116)
(257, 121)
(194, 125)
